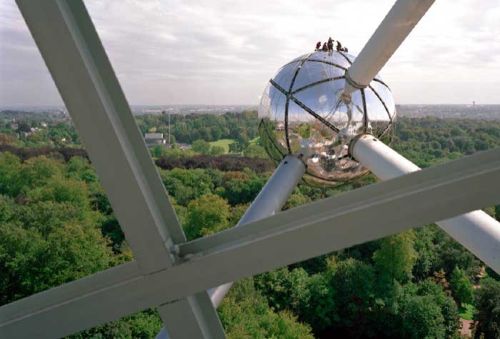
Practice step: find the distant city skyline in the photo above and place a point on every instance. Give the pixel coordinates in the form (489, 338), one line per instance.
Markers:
(224, 52)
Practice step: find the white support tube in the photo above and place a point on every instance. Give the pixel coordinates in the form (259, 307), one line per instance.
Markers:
(270, 200)
(391, 32)
(476, 230)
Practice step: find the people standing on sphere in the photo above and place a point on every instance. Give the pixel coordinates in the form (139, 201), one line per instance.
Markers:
(339, 47)
(330, 46)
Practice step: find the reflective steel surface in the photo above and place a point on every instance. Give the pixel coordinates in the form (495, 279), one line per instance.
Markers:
(301, 113)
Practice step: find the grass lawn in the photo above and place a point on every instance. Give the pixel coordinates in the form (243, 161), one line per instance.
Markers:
(254, 140)
(466, 311)
(224, 143)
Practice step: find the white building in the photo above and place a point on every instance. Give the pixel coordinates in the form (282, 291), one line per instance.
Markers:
(154, 139)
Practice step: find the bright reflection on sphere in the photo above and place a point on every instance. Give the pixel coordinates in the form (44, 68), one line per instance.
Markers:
(301, 113)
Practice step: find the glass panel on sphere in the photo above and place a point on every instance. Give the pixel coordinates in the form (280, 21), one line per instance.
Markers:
(375, 108)
(335, 58)
(347, 56)
(278, 102)
(301, 58)
(386, 96)
(285, 75)
(357, 113)
(322, 99)
(265, 103)
(312, 72)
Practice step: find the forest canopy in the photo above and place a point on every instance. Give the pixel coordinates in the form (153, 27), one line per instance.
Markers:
(57, 225)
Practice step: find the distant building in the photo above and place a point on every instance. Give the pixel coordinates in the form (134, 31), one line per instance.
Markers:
(154, 139)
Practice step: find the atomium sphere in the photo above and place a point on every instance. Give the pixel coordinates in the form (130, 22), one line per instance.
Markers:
(302, 112)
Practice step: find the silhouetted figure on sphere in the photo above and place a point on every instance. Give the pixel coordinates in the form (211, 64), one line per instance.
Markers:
(330, 46)
(339, 47)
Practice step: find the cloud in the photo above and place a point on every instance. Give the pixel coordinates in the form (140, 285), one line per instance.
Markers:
(223, 52)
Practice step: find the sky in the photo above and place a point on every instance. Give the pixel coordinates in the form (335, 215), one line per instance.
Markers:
(223, 52)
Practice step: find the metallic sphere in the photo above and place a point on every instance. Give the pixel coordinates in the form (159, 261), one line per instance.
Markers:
(302, 112)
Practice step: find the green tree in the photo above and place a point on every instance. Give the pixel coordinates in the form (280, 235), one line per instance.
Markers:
(426, 250)
(186, 185)
(242, 188)
(488, 309)
(34, 258)
(451, 254)
(201, 146)
(321, 311)
(286, 289)
(37, 171)
(353, 283)
(236, 147)
(62, 133)
(461, 287)
(24, 126)
(10, 179)
(246, 314)
(145, 324)
(396, 256)
(206, 215)
(61, 190)
(217, 150)
(255, 151)
(237, 213)
(309, 297)
(80, 169)
(296, 199)
(49, 233)
(421, 318)
(446, 304)
(158, 151)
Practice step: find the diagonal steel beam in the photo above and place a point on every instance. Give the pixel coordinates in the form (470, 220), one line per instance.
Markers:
(270, 200)
(206, 324)
(415, 198)
(88, 86)
(476, 231)
(351, 218)
(386, 39)
(85, 79)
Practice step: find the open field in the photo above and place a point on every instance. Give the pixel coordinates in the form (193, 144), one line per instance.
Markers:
(224, 143)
